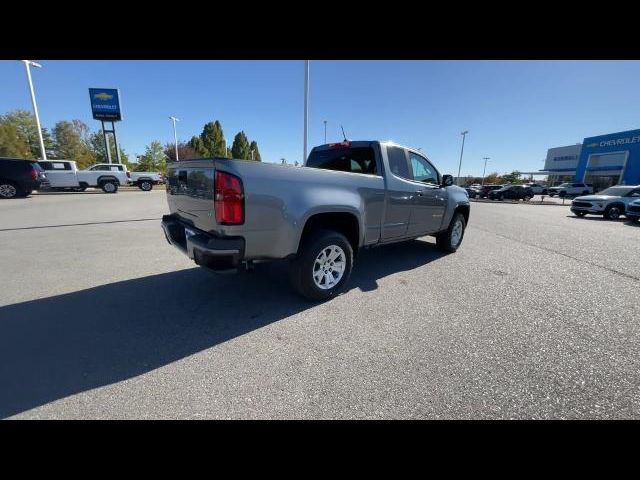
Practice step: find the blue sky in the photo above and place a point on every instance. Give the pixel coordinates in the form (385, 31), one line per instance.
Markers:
(514, 110)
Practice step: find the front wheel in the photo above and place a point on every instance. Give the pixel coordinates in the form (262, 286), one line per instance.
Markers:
(613, 213)
(451, 238)
(323, 265)
(580, 214)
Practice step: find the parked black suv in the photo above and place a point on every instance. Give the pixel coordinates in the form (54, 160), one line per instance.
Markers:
(512, 192)
(18, 178)
(485, 189)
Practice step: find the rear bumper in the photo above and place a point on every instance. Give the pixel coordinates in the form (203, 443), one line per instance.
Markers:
(215, 253)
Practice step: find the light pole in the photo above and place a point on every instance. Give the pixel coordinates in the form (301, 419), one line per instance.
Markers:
(175, 134)
(325, 131)
(484, 170)
(306, 107)
(27, 64)
(464, 134)
(252, 153)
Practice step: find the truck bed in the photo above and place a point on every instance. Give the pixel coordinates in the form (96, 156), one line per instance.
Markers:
(277, 199)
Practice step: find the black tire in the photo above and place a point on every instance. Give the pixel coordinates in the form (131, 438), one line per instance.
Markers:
(301, 271)
(79, 189)
(109, 186)
(445, 241)
(501, 198)
(9, 189)
(527, 198)
(613, 212)
(145, 185)
(579, 214)
(544, 192)
(552, 195)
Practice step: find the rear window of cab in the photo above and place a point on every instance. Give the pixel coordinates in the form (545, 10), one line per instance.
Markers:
(347, 159)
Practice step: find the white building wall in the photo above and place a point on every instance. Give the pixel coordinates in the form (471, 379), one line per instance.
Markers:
(563, 157)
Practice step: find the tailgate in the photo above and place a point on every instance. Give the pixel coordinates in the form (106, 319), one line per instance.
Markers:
(190, 192)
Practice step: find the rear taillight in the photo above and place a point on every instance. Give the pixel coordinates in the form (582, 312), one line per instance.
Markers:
(34, 173)
(228, 199)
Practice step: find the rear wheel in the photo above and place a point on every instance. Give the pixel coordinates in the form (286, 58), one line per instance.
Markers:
(323, 265)
(8, 189)
(451, 238)
(145, 185)
(109, 186)
(613, 212)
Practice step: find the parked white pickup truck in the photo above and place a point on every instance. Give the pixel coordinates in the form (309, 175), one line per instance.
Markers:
(64, 174)
(145, 180)
(571, 189)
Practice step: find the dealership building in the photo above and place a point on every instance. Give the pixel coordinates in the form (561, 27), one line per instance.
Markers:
(605, 160)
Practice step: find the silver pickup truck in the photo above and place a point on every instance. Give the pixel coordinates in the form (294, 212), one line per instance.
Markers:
(349, 195)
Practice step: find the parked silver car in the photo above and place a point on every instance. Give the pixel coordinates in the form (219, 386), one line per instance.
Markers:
(611, 202)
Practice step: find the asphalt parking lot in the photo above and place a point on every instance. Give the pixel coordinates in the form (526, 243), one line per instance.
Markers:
(536, 316)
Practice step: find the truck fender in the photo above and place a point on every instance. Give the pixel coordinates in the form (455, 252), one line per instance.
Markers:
(103, 178)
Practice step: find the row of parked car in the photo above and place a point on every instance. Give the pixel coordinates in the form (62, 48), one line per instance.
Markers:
(18, 177)
(527, 191)
(611, 203)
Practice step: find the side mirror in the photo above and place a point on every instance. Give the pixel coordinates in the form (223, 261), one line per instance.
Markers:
(447, 180)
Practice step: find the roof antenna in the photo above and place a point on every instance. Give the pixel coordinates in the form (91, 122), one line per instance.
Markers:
(343, 134)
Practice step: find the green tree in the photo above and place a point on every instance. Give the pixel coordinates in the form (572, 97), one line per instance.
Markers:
(185, 151)
(73, 142)
(256, 153)
(493, 178)
(153, 160)
(27, 130)
(513, 177)
(213, 139)
(11, 143)
(197, 145)
(96, 143)
(240, 148)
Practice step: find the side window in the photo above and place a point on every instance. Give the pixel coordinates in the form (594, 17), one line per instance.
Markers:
(58, 166)
(45, 165)
(398, 162)
(422, 170)
(634, 193)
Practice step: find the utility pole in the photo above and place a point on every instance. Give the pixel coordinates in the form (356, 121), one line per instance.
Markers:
(485, 168)
(306, 108)
(175, 134)
(27, 64)
(325, 131)
(464, 134)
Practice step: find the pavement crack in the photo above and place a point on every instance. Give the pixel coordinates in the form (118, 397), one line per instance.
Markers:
(551, 250)
(78, 224)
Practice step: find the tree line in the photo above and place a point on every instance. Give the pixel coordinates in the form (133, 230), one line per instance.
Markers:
(74, 140)
(494, 178)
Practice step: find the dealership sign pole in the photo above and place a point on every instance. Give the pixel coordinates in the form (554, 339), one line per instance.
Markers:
(105, 106)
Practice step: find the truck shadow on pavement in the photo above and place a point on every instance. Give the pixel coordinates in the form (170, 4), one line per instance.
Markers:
(59, 346)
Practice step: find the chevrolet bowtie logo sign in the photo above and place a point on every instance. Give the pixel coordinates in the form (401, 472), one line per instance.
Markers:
(105, 104)
(103, 96)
